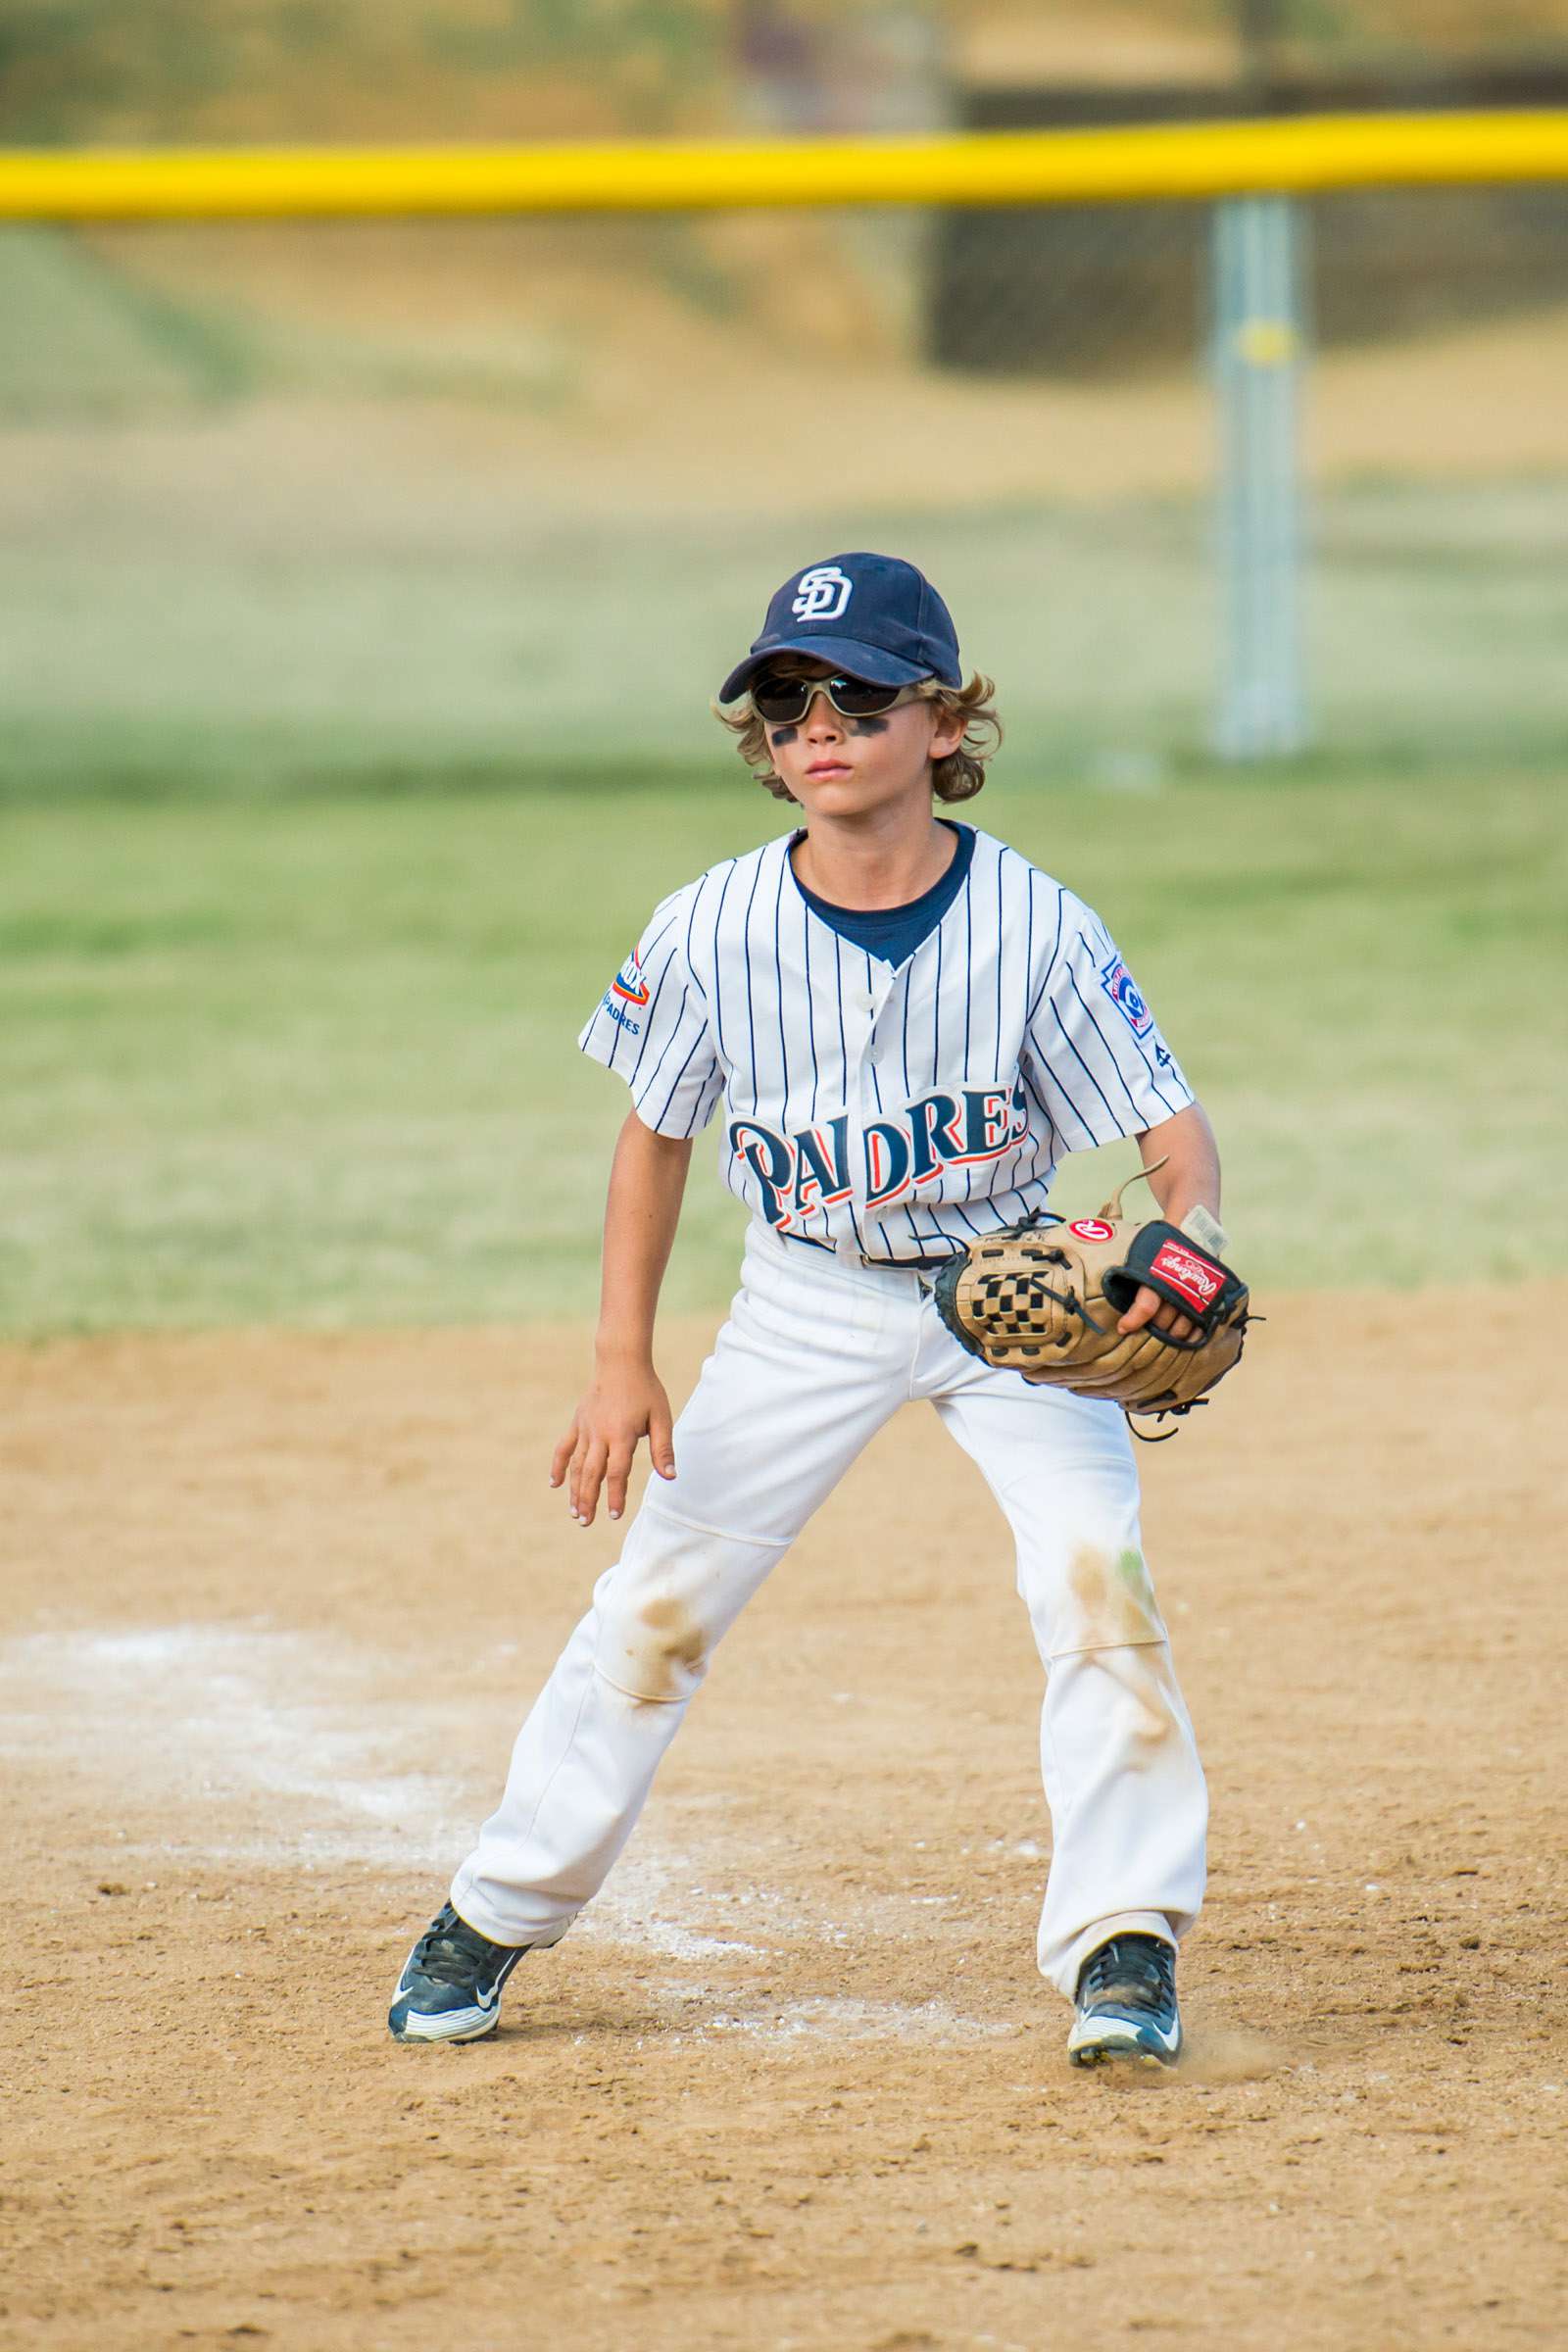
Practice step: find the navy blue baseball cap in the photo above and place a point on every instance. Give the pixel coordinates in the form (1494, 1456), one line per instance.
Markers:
(872, 616)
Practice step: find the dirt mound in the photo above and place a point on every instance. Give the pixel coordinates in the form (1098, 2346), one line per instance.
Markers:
(273, 1607)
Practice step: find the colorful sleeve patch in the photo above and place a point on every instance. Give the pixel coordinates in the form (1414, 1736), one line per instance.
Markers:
(1123, 990)
(630, 983)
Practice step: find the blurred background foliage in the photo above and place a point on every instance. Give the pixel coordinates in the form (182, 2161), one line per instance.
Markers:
(196, 70)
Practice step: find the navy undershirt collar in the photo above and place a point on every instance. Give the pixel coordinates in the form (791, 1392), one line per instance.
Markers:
(893, 933)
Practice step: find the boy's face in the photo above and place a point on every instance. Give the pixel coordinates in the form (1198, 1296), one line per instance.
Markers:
(848, 767)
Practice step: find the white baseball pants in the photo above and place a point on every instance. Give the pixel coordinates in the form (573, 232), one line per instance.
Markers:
(820, 1351)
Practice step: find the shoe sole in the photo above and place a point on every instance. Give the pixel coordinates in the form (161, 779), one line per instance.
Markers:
(1108, 2047)
(1124, 2054)
(434, 2029)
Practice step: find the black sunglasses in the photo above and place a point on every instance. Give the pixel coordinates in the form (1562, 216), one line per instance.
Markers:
(783, 701)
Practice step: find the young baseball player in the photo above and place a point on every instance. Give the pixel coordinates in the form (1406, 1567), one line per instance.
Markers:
(902, 1025)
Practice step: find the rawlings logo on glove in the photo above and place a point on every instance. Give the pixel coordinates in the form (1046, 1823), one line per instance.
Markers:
(1045, 1300)
(1198, 1280)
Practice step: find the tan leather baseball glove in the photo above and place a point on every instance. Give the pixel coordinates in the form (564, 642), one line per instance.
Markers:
(1043, 1300)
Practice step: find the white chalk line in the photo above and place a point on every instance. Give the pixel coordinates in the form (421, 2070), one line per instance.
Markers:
(839, 2020)
(199, 1720)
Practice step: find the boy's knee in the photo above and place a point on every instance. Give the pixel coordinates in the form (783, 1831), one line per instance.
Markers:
(664, 1607)
(652, 1646)
(1098, 1598)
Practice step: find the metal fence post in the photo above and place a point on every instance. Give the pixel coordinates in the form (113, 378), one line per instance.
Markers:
(1259, 339)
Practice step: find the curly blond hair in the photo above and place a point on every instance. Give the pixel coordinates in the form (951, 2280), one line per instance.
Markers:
(957, 777)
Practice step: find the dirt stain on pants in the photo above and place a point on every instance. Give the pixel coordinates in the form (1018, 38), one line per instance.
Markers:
(1114, 1623)
(1112, 1601)
(662, 1659)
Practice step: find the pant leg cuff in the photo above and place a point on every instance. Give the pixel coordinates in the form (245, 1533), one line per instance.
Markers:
(1062, 1969)
(470, 1905)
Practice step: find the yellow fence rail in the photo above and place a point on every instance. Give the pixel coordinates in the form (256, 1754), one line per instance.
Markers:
(1303, 157)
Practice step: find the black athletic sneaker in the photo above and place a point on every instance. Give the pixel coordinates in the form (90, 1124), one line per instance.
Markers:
(1127, 2004)
(450, 1989)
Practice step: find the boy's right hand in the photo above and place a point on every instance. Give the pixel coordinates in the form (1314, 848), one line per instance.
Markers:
(624, 1402)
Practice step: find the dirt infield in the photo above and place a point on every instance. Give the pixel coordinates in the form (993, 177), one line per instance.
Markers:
(273, 1606)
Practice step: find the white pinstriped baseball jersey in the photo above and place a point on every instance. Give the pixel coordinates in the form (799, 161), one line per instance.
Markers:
(886, 1113)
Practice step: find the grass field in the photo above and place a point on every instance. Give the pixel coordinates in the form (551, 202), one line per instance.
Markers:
(313, 1060)
(155, 640)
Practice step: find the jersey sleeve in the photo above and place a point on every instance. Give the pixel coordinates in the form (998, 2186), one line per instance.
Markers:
(650, 1026)
(1094, 1051)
